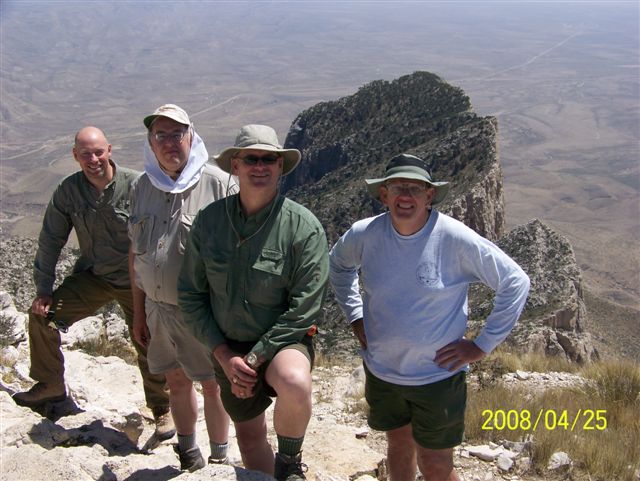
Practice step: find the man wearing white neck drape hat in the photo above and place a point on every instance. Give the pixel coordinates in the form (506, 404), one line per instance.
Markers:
(177, 182)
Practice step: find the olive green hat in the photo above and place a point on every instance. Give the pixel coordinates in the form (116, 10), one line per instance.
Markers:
(406, 166)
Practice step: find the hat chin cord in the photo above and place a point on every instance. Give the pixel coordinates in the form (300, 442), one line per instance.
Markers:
(242, 240)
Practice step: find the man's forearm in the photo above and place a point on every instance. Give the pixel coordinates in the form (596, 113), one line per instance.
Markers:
(137, 293)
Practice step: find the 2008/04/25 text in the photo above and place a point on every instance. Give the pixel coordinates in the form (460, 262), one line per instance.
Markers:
(549, 419)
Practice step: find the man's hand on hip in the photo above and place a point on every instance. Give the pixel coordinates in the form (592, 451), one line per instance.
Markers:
(455, 355)
(357, 327)
(41, 305)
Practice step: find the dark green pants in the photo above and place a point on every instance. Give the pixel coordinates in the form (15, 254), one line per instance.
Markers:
(80, 295)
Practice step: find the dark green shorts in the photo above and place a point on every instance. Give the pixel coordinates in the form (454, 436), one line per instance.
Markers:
(435, 411)
(240, 410)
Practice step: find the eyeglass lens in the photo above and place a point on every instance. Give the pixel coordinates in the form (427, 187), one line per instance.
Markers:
(413, 190)
(175, 137)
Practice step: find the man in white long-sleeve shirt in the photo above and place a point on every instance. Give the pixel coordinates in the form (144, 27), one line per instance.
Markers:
(415, 265)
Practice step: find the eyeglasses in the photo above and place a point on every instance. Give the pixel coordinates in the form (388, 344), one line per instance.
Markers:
(174, 137)
(414, 190)
(268, 159)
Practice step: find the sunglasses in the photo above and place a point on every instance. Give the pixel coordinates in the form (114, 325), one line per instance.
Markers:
(268, 159)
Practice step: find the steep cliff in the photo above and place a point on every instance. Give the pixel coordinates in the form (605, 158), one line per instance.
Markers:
(554, 318)
(347, 140)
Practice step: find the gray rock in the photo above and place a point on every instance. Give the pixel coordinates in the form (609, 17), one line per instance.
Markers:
(355, 389)
(89, 329)
(485, 452)
(554, 316)
(523, 464)
(559, 460)
(504, 462)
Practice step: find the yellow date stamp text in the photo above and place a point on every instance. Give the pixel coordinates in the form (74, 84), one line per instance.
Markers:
(549, 419)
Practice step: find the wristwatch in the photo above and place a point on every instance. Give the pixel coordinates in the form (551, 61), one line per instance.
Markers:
(251, 359)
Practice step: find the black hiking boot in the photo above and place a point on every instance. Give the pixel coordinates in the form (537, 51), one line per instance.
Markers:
(290, 468)
(190, 460)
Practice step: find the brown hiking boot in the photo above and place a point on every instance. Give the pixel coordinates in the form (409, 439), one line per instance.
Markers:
(190, 460)
(290, 468)
(39, 394)
(165, 429)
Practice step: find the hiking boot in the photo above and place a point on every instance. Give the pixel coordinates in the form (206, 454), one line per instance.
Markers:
(290, 468)
(39, 394)
(190, 460)
(212, 460)
(165, 429)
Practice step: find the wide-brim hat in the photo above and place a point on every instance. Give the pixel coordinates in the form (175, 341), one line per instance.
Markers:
(406, 166)
(258, 137)
(171, 111)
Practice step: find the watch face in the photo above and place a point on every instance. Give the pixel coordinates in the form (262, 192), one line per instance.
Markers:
(252, 358)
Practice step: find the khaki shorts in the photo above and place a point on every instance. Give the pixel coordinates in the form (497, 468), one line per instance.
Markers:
(435, 411)
(172, 345)
(240, 410)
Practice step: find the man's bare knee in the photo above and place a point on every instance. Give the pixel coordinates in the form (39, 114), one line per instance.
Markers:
(210, 388)
(178, 381)
(290, 375)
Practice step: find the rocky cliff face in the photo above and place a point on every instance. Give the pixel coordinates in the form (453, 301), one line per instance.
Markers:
(350, 139)
(554, 317)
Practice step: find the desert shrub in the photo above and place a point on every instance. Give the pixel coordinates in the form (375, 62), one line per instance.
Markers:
(531, 361)
(5, 331)
(617, 382)
(103, 347)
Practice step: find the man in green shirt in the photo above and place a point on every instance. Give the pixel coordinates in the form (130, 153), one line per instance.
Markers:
(251, 289)
(95, 202)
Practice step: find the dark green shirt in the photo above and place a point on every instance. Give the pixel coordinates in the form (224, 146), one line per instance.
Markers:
(267, 289)
(100, 221)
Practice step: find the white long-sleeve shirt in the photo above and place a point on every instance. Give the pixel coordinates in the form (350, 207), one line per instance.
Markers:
(414, 292)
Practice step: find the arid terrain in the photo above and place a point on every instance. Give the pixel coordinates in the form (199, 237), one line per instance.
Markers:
(562, 79)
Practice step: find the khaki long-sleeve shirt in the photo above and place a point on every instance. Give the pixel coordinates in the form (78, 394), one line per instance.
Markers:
(159, 225)
(268, 289)
(100, 222)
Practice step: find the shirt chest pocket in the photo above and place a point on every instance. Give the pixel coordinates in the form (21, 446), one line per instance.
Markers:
(140, 232)
(269, 277)
(81, 221)
(270, 261)
(186, 221)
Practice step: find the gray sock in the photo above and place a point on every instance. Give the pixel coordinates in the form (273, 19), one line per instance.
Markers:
(186, 441)
(219, 451)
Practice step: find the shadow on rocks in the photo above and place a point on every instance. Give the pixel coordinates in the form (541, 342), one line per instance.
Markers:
(165, 473)
(115, 442)
(56, 410)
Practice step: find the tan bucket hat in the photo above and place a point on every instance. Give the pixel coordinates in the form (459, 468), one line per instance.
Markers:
(406, 166)
(260, 137)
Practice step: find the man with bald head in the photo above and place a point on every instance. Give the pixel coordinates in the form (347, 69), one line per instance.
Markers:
(95, 202)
